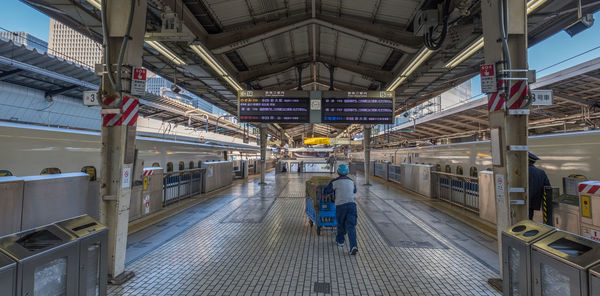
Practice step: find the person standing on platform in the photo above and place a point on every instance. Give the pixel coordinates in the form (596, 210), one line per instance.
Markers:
(331, 163)
(537, 183)
(343, 189)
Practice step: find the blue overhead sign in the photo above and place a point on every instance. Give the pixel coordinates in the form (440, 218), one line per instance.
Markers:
(368, 107)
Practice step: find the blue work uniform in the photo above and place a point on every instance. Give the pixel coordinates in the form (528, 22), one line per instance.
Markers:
(343, 189)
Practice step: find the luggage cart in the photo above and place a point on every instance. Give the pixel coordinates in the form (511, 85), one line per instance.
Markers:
(321, 211)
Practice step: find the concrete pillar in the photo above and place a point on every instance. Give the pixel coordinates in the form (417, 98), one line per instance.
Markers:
(263, 152)
(118, 140)
(367, 151)
(508, 124)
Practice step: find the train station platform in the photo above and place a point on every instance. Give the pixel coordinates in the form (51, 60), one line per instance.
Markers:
(256, 240)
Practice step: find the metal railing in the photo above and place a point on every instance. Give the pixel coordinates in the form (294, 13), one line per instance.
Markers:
(459, 190)
(182, 184)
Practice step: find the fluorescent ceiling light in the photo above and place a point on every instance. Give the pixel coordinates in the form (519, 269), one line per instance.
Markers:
(534, 4)
(95, 3)
(166, 52)
(421, 57)
(466, 53)
(478, 44)
(210, 60)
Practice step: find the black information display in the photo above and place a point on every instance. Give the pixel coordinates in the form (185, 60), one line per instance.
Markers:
(274, 106)
(373, 107)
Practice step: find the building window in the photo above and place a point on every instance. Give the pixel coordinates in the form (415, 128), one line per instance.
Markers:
(448, 169)
(191, 165)
(169, 167)
(181, 166)
(156, 165)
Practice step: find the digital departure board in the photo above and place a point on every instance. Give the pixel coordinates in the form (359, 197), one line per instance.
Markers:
(368, 107)
(274, 106)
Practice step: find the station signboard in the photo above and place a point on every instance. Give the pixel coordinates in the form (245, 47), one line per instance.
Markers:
(290, 106)
(363, 107)
(316, 141)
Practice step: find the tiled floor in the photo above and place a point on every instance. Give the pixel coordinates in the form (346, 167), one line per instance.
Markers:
(258, 242)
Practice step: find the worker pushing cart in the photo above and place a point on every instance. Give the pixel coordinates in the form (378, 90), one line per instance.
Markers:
(343, 189)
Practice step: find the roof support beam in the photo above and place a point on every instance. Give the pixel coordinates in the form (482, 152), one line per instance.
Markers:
(572, 99)
(367, 70)
(9, 74)
(292, 84)
(60, 90)
(446, 127)
(474, 119)
(227, 42)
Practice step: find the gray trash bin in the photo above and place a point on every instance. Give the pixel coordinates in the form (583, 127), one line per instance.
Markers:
(594, 279)
(560, 263)
(8, 275)
(516, 255)
(47, 261)
(93, 252)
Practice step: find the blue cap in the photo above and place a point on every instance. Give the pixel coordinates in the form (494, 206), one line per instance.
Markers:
(533, 157)
(342, 169)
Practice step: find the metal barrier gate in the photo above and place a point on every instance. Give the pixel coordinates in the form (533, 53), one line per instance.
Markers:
(182, 184)
(459, 190)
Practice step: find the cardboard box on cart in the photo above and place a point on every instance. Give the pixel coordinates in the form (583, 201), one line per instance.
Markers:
(311, 188)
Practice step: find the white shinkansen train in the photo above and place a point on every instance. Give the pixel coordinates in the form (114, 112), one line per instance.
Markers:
(32, 150)
(560, 155)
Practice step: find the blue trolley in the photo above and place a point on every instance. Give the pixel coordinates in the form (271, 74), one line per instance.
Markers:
(322, 212)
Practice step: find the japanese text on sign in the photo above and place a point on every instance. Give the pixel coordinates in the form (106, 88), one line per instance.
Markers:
(274, 109)
(488, 78)
(357, 110)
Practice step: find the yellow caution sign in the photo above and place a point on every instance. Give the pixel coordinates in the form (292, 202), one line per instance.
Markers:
(316, 141)
(586, 207)
(145, 183)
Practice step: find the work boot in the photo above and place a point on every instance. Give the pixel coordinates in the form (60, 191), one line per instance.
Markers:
(354, 251)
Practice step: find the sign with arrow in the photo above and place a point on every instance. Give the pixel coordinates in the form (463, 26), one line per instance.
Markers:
(138, 82)
(488, 78)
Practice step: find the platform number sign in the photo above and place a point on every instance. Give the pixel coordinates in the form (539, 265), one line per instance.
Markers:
(488, 78)
(541, 97)
(90, 98)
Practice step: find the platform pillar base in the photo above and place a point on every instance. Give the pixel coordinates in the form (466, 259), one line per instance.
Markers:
(121, 279)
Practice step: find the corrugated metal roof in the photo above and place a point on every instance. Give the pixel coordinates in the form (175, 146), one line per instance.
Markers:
(49, 74)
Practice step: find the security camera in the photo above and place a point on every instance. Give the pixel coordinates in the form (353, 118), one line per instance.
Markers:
(580, 25)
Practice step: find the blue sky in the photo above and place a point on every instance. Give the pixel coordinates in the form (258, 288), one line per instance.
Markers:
(17, 16)
(557, 48)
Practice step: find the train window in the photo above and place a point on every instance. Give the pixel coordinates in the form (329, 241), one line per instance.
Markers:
(156, 165)
(169, 167)
(448, 169)
(50, 171)
(5, 173)
(473, 172)
(181, 165)
(191, 165)
(438, 168)
(459, 170)
(90, 170)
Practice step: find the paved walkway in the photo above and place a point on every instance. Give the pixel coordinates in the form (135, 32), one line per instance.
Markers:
(253, 240)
